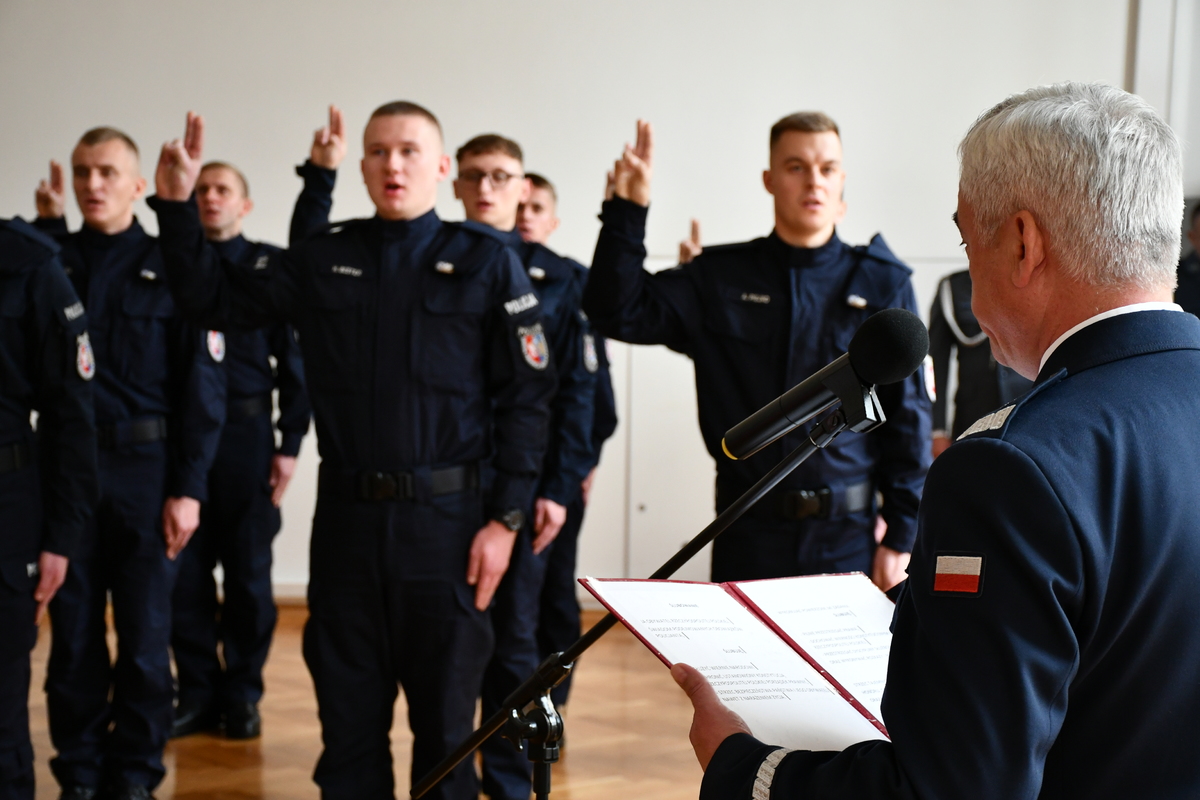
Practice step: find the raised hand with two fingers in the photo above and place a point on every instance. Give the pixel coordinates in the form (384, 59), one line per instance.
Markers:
(329, 143)
(179, 162)
(633, 170)
(50, 195)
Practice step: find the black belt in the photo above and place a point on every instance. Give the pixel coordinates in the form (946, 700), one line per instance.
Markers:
(372, 486)
(239, 410)
(797, 504)
(138, 431)
(13, 457)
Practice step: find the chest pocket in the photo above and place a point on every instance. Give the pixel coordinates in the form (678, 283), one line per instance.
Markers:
(450, 345)
(333, 333)
(12, 337)
(142, 349)
(746, 315)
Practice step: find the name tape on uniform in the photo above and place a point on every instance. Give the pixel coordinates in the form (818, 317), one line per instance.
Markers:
(353, 272)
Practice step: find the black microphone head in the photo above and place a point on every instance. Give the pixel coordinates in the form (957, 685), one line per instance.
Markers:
(889, 346)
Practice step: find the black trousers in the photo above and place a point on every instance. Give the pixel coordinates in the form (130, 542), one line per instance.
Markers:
(558, 612)
(110, 720)
(755, 547)
(237, 527)
(389, 607)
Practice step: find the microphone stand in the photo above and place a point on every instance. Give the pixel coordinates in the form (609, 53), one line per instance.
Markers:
(528, 717)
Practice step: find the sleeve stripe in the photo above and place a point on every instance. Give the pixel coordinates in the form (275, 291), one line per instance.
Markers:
(766, 774)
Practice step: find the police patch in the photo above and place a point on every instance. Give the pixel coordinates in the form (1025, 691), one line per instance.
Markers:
(85, 359)
(533, 346)
(73, 312)
(216, 345)
(522, 303)
(590, 360)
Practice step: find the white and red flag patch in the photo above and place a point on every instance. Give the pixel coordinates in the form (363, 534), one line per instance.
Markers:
(958, 574)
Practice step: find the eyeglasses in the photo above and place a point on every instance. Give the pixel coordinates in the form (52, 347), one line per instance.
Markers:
(498, 177)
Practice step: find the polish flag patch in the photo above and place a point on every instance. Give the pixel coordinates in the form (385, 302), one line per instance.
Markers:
(958, 574)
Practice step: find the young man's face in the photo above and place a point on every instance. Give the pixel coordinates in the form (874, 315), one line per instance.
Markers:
(491, 186)
(402, 165)
(806, 180)
(222, 203)
(107, 182)
(537, 217)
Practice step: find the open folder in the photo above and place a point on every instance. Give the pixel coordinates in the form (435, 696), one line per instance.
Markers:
(802, 660)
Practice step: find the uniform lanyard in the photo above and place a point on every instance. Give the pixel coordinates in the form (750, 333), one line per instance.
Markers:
(948, 312)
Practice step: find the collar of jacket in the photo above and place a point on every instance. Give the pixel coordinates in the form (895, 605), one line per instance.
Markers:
(92, 239)
(400, 229)
(806, 257)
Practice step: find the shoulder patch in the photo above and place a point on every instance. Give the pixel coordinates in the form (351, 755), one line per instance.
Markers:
(992, 422)
(85, 359)
(520, 304)
(591, 360)
(533, 346)
(216, 345)
(958, 573)
(73, 311)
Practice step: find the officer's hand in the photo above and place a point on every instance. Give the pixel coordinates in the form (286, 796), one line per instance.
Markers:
(690, 247)
(282, 469)
(940, 443)
(181, 517)
(548, 519)
(49, 195)
(179, 162)
(490, 553)
(889, 568)
(52, 571)
(585, 485)
(329, 143)
(610, 184)
(712, 721)
(632, 172)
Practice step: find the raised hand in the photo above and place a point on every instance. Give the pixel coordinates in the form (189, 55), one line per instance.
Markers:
(49, 195)
(329, 143)
(179, 162)
(690, 247)
(633, 170)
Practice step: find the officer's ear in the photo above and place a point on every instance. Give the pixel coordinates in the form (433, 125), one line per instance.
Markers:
(768, 182)
(247, 206)
(443, 167)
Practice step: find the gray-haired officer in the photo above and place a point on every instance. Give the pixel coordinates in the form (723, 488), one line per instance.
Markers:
(246, 486)
(426, 362)
(159, 398)
(758, 317)
(48, 482)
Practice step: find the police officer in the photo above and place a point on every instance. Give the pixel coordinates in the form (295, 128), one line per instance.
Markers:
(1045, 642)
(558, 611)
(246, 486)
(1187, 291)
(983, 383)
(425, 358)
(758, 317)
(47, 482)
(159, 404)
(491, 185)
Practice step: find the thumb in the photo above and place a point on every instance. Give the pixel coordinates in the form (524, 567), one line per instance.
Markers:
(693, 683)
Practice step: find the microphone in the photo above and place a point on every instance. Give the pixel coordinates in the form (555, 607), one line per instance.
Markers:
(887, 348)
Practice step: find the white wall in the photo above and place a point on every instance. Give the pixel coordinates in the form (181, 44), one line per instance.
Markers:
(567, 80)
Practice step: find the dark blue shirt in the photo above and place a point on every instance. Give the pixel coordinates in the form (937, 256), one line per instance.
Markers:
(248, 354)
(45, 366)
(757, 318)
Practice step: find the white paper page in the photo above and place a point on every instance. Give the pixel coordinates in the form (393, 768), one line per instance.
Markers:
(842, 621)
(781, 697)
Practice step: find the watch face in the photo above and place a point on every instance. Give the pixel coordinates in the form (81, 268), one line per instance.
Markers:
(512, 519)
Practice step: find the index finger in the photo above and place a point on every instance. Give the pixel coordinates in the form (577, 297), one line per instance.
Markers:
(193, 139)
(337, 123)
(645, 141)
(695, 237)
(56, 176)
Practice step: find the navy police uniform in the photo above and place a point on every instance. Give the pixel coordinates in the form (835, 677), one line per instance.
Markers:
(239, 521)
(983, 384)
(1187, 291)
(426, 359)
(47, 480)
(568, 459)
(159, 406)
(757, 318)
(1066, 668)
(558, 612)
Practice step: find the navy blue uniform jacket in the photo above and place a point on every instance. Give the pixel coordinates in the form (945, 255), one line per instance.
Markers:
(756, 319)
(1072, 671)
(423, 342)
(45, 365)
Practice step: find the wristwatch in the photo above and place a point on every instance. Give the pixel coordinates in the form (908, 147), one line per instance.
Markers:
(513, 519)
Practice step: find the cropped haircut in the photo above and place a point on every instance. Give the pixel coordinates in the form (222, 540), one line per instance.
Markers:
(804, 122)
(226, 165)
(542, 182)
(1099, 170)
(404, 108)
(490, 143)
(106, 134)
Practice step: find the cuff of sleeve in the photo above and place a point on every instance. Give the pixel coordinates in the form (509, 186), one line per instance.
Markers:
(317, 177)
(625, 218)
(560, 491)
(734, 768)
(510, 491)
(61, 538)
(900, 536)
(189, 485)
(290, 444)
(54, 226)
(177, 219)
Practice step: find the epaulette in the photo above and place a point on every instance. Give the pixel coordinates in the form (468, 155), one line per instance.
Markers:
(996, 423)
(27, 248)
(481, 228)
(20, 226)
(337, 227)
(878, 250)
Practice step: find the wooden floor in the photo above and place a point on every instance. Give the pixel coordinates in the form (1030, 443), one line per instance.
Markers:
(627, 727)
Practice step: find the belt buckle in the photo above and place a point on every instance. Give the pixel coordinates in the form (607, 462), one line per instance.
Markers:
(806, 503)
(377, 486)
